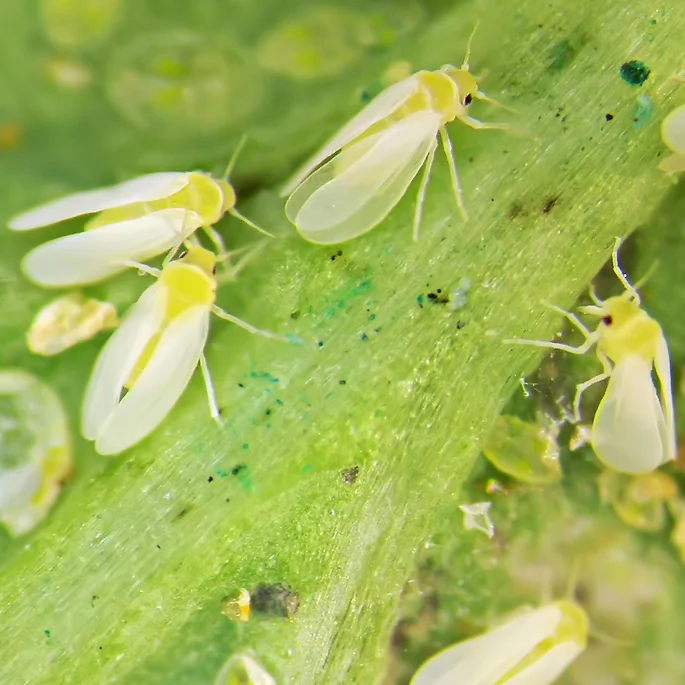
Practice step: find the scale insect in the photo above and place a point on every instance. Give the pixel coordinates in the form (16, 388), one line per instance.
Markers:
(533, 647)
(135, 221)
(633, 430)
(380, 151)
(148, 361)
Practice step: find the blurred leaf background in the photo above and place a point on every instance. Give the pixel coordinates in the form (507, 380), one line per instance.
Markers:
(343, 461)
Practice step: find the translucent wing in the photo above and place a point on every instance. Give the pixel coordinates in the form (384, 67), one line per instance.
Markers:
(118, 358)
(92, 256)
(160, 384)
(381, 106)
(549, 666)
(356, 190)
(673, 130)
(629, 431)
(662, 364)
(484, 659)
(142, 189)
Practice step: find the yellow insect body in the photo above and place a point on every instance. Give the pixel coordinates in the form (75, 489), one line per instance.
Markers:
(379, 152)
(154, 353)
(134, 221)
(634, 429)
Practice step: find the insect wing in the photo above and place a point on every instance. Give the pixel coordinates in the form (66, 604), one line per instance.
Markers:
(381, 106)
(549, 666)
(662, 364)
(160, 384)
(332, 206)
(142, 189)
(118, 358)
(92, 256)
(673, 130)
(483, 660)
(629, 430)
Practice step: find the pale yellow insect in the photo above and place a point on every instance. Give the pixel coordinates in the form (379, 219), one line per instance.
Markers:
(147, 363)
(534, 647)
(67, 321)
(135, 221)
(380, 151)
(633, 429)
(673, 137)
(35, 450)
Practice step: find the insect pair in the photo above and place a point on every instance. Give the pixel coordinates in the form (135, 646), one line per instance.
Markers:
(147, 363)
(633, 430)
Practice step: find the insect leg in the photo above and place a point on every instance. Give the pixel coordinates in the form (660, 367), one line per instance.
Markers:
(149, 270)
(593, 296)
(456, 186)
(582, 387)
(479, 125)
(234, 212)
(233, 271)
(480, 95)
(244, 324)
(587, 333)
(467, 56)
(209, 387)
(234, 157)
(623, 279)
(422, 193)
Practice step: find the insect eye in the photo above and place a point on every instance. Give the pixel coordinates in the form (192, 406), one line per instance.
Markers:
(183, 254)
(468, 99)
(214, 270)
(607, 320)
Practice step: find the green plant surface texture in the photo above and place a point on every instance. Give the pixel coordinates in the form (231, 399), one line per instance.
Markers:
(339, 457)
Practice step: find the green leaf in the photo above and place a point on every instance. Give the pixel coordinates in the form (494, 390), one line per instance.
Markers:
(125, 581)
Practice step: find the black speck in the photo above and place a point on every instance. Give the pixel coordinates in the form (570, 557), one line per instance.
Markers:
(607, 320)
(515, 210)
(210, 479)
(336, 255)
(609, 116)
(181, 514)
(350, 475)
(460, 324)
(634, 73)
(237, 469)
(228, 499)
(549, 204)
(267, 412)
(295, 314)
(158, 547)
(342, 382)
(240, 385)
(320, 344)
(277, 599)
(435, 298)
(364, 337)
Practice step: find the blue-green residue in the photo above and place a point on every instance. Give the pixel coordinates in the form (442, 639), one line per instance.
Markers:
(246, 445)
(221, 473)
(644, 111)
(634, 73)
(364, 337)
(419, 301)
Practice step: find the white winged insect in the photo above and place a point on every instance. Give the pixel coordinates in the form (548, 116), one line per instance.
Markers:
(135, 220)
(673, 136)
(380, 151)
(533, 648)
(633, 429)
(147, 363)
